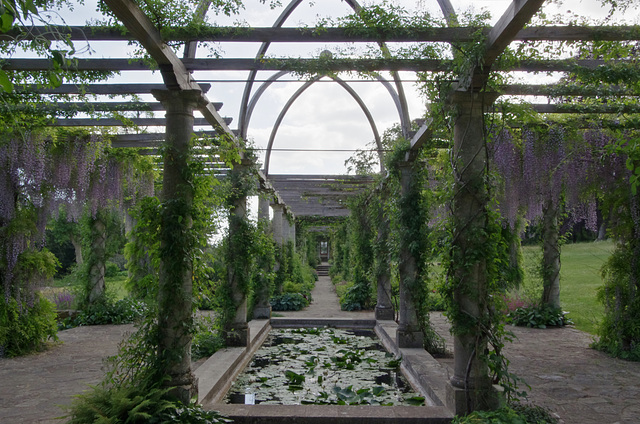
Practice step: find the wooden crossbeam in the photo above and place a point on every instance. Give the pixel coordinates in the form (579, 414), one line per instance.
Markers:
(276, 64)
(107, 89)
(554, 90)
(108, 106)
(501, 35)
(419, 139)
(113, 122)
(328, 35)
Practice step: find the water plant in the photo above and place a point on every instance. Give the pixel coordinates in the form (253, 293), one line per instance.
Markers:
(310, 366)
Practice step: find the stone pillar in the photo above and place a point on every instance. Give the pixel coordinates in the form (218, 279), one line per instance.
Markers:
(237, 331)
(471, 386)
(408, 333)
(263, 207)
(292, 232)
(175, 317)
(262, 308)
(277, 223)
(384, 306)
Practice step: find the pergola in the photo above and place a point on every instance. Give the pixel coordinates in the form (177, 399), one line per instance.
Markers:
(324, 195)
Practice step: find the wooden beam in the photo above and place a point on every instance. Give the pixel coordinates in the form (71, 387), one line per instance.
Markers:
(501, 35)
(330, 35)
(105, 106)
(419, 139)
(113, 122)
(175, 74)
(116, 89)
(276, 64)
(555, 90)
(517, 15)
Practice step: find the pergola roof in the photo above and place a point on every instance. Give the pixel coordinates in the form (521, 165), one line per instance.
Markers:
(311, 195)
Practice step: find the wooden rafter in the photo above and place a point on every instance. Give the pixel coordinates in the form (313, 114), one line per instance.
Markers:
(501, 35)
(333, 35)
(276, 64)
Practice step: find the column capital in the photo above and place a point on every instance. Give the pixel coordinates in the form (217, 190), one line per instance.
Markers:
(177, 100)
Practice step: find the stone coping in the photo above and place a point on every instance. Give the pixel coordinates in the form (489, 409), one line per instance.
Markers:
(423, 372)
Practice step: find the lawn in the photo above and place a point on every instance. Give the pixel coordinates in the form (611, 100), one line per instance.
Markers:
(579, 280)
(115, 287)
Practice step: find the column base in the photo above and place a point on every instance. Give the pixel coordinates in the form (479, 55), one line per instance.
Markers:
(262, 312)
(237, 336)
(385, 313)
(409, 338)
(463, 402)
(184, 388)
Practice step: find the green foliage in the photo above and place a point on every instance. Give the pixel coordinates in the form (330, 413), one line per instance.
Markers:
(207, 340)
(26, 328)
(289, 302)
(538, 316)
(513, 414)
(107, 311)
(620, 329)
(142, 251)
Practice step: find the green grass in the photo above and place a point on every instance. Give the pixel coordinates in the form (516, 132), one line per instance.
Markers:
(579, 280)
(115, 286)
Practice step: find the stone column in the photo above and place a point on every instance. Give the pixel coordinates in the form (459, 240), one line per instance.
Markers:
(262, 308)
(471, 387)
(263, 207)
(277, 223)
(237, 331)
(408, 333)
(292, 232)
(384, 306)
(175, 318)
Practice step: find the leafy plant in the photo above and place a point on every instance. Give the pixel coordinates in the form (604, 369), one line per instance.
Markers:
(26, 327)
(538, 316)
(207, 340)
(513, 414)
(106, 311)
(289, 302)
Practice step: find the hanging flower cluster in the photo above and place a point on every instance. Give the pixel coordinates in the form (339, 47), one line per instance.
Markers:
(41, 173)
(554, 167)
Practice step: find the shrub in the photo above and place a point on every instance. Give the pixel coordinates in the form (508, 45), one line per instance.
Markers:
(123, 311)
(514, 414)
(357, 297)
(538, 316)
(137, 405)
(207, 340)
(620, 329)
(289, 302)
(26, 328)
(111, 269)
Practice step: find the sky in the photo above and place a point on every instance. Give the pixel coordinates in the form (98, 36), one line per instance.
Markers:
(325, 117)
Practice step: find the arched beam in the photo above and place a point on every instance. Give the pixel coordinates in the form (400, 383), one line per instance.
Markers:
(254, 100)
(405, 120)
(297, 94)
(246, 108)
(252, 74)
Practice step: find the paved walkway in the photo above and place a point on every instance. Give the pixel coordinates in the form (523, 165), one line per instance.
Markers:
(580, 385)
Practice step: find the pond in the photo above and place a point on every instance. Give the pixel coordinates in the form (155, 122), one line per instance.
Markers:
(323, 366)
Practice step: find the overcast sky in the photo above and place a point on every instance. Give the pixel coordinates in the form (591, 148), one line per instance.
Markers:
(325, 117)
